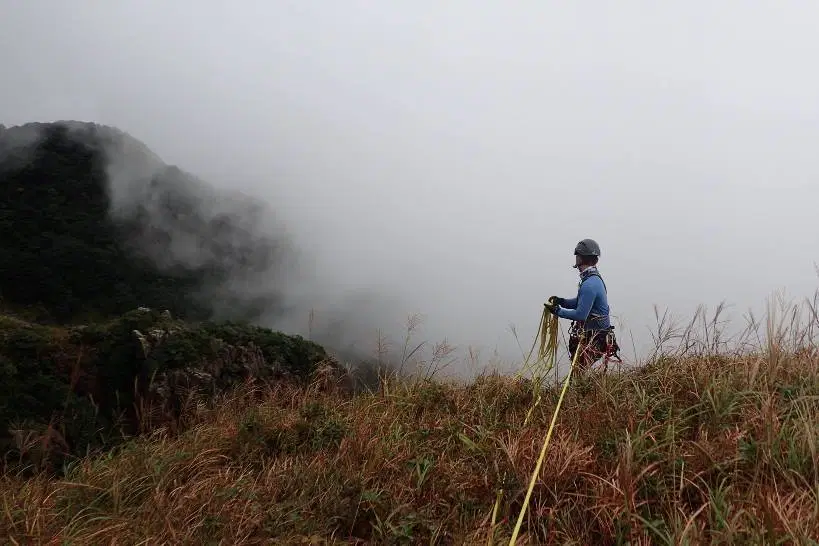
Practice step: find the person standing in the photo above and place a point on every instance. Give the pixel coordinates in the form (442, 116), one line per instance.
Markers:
(589, 310)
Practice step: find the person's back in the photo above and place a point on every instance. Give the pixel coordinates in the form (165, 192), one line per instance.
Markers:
(596, 316)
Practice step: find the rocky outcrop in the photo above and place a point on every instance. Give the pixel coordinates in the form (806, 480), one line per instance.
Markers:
(83, 386)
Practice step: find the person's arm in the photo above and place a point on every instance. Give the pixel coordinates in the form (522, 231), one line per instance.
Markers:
(583, 303)
(569, 303)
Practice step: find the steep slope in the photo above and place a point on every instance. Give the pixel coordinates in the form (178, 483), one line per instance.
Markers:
(93, 223)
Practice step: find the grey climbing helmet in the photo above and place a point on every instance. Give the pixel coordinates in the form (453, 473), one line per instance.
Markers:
(587, 247)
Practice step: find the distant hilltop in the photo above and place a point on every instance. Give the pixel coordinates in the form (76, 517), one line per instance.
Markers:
(93, 223)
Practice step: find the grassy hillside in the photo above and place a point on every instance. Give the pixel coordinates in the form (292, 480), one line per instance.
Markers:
(696, 447)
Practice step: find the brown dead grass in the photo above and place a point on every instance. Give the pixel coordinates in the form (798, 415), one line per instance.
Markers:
(689, 449)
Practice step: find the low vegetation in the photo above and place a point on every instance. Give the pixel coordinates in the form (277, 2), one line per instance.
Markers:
(71, 390)
(698, 445)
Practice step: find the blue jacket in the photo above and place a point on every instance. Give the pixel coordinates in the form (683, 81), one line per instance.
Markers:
(591, 305)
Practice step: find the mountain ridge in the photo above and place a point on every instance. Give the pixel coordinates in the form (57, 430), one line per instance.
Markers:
(98, 190)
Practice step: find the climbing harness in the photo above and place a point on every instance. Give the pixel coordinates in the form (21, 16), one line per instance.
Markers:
(612, 349)
(600, 343)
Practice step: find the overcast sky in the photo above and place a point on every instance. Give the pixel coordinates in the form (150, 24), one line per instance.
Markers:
(445, 157)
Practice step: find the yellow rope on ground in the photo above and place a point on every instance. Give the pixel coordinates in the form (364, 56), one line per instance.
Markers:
(547, 358)
(491, 534)
(543, 450)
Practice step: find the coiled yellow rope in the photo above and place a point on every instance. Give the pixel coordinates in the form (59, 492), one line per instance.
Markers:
(547, 356)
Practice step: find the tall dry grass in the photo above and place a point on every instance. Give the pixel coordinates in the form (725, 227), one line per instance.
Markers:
(710, 441)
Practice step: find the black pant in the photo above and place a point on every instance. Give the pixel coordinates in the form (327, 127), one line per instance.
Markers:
(595, 344)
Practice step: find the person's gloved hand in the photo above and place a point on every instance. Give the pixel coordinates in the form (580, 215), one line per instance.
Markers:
(551, 307)
(554, 300)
